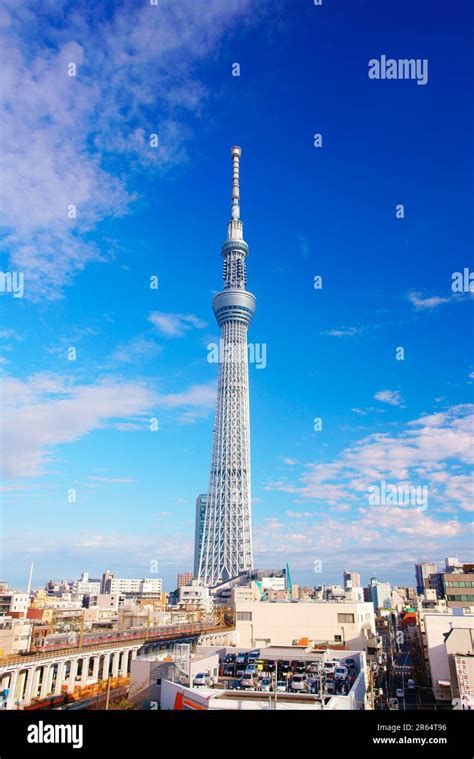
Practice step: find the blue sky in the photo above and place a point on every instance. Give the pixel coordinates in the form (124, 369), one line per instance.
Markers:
(143, 211)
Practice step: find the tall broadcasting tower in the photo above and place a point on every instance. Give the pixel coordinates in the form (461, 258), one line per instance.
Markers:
(226, 547)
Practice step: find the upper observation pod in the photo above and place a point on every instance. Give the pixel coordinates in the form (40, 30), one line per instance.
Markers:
(234, 302)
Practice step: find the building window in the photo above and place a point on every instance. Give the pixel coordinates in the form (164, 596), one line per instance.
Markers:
(338, 638)
(244, 616)
(341, 618)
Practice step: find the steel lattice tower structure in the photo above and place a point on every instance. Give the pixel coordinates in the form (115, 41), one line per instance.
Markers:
(227, 536)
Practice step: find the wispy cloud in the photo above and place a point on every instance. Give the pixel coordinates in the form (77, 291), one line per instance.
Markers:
(61, 134)
(433, 450)
(137, 349)
(426, 303)
(392, 397)
(197, 401)
(111, 480)
(175, 325)
(342, 331)
(45, 411)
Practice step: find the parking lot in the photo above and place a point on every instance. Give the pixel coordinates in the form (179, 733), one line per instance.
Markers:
(326, 673)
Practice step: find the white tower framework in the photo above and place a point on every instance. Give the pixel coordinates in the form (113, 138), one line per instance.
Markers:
(227, 537)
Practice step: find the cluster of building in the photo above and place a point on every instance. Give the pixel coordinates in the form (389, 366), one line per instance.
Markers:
(66, 611)
(260, 610)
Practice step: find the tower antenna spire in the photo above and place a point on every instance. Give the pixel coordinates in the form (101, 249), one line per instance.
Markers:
(235, 152)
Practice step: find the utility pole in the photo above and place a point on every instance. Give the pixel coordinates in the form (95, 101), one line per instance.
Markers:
(321, 682)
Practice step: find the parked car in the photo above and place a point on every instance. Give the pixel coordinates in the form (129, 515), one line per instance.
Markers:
(281, 686)
(313, 668)
(284, 666)
(247, 680)
(240, 669)
(329, 667)
(235, 685)
(269, 666)
(393, 704)
(342, 687)
(266, 684)
(341, 673)
(241, 659)
(350, 663)
(411, 684)
(298, 683)
(229, 659)
(314, 686)
(202, 678)
(299, 667)
(254, 654)
(228, 671)
(400, 693)
(330, 687)
(251, 668)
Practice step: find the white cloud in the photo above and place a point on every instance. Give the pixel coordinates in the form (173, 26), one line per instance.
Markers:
(342, 331)
(136, 350)
(62, 134)
(46, 411)
(432, 450)
(299, 514)
(392, 397)
(197, 401)
(111, 480)
(175, 325)
(422, 303)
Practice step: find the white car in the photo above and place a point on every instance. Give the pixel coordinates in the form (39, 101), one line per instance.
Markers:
(298, 682)
(329, 666)
(341, 673)
(400, 693)
(202, 678)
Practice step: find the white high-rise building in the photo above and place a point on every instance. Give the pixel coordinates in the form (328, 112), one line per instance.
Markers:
(226, 548)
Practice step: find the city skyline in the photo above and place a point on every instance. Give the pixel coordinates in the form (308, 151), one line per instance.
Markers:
(115, 330)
